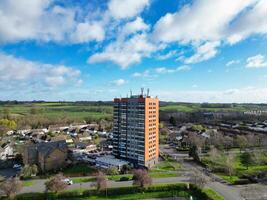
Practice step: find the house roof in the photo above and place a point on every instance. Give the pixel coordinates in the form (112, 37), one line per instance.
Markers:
(46, 148)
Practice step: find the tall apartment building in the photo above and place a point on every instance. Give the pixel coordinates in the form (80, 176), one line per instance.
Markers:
(136, 134)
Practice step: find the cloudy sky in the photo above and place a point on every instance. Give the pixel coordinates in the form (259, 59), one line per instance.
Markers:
(183, 50)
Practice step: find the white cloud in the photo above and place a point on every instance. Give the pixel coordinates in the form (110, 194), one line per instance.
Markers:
(134, 26)
(146, 73)
(20, 72)
(203, 52)
(119, 82)
(207, 24)
(125, 52)
(203, 20)
(257, 61)
(87, 32)
(167, 55)
(44, 20)
(183, 68)
(232, 62)
(164, 70)
(126, 8)
(251, 22)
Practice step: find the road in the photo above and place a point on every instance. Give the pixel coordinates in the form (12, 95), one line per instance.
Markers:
(229, 192)
(39, 185)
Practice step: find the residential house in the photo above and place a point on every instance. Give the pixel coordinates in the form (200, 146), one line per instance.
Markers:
(46, 155)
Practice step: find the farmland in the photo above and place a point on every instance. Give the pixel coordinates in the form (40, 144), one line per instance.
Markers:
(54, 110)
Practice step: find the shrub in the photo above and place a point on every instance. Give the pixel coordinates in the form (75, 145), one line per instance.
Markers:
(124, 178)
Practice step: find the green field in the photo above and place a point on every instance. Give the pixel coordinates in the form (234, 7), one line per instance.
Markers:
(197, 107)
(98, 110)
(75, 111)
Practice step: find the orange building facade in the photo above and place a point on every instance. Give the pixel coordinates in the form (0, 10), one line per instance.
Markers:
(136, 130)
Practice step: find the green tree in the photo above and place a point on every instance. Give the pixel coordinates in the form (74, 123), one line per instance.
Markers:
(246, 159)
(29, 171)
(172, 121)
(113, 171)
(10, 124)
(198, 127)
(126, 169)
(193, 152)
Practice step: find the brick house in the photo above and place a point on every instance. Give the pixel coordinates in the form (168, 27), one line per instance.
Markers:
(46, 155)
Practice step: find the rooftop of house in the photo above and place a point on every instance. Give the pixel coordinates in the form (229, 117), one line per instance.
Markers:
(45, 148)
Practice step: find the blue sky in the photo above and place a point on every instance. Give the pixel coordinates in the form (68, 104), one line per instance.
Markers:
(186, 51)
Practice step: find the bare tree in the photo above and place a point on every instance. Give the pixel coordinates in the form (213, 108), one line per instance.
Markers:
(227, 142)
(198, 179)
(141, 178)
(241, 142)
(56, 183)
(11, 187)
(229, 165)
(101, 182)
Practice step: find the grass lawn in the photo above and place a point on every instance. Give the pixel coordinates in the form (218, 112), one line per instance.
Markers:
(229, 179)
(212, 194)
(240, 169)
(81, 169)
(163, 174)
(83, 180)
(27, 183)
(118, 177)
(166, 165)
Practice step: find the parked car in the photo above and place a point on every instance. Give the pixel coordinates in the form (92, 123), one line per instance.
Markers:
(17, 166)
(68, 181)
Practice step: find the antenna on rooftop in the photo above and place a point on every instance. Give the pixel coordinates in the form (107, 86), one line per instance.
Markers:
(131, 93)
(147, 94)
(142, 91)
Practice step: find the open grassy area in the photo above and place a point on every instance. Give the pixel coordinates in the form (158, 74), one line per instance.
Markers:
(165, 166)
(240, 171)
(79, 170)
(212, 194)
(83, 180)
(27, 183)
(229, 179)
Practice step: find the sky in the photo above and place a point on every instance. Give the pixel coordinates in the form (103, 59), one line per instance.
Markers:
(182, 50)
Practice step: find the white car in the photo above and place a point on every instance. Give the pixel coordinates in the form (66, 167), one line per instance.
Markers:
(68, 181)
(17, 166)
